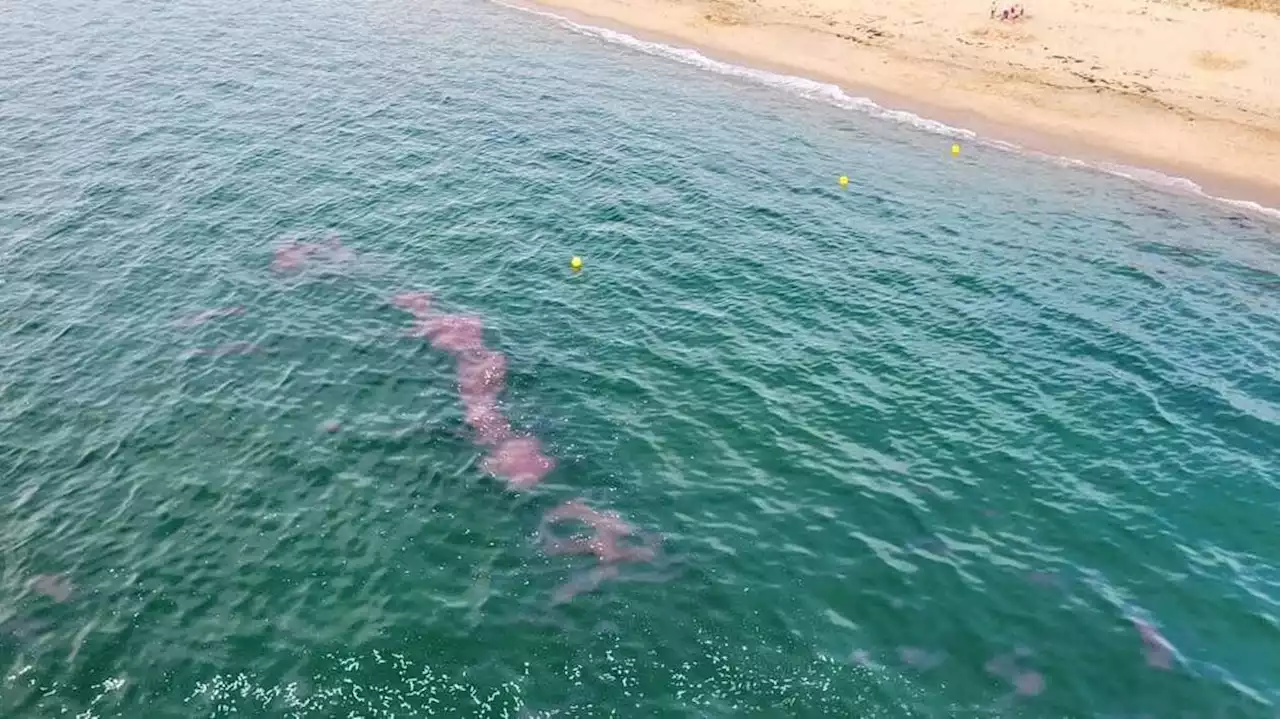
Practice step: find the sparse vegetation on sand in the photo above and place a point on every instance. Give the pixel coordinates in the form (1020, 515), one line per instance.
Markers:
(1272, 6)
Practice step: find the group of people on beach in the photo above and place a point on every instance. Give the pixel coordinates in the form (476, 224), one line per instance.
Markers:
(1008, 13)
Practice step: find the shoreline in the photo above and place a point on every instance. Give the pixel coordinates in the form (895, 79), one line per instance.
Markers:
(989, 113)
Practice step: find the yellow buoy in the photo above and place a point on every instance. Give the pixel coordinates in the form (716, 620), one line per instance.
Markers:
(576, 263)
(844, 181)
(955, 150)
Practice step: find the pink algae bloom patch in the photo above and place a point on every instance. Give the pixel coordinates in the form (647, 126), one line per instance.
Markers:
(204, 316)
(55, 586)
(417, 304)
(920, 658)
(224, 350)
(453, 333)
(481, 373)
(1029, 683)
(488, 422)
(519, 461)
(1159, 650)
(605, 540)
(292, 255)
(584, 583)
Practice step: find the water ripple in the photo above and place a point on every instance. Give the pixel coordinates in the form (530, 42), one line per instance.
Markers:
(958, 416)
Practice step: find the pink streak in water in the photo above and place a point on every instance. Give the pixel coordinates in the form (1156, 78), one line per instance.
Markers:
(920, 658)
(336, 251)
(484, 417)
(292, 255)
(1158, 649)
(1029, 683)
(230, 348)
(417, 304)
(583, 583)
(481, 374)
(200, 318)
(520, 461)
(607, 521)
(55, 586)
(605, 547)
(1002, 666)
(604, 543)
(1025, 683)
(453, 333)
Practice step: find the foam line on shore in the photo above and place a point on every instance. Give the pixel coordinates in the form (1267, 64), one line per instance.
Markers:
(834, 95)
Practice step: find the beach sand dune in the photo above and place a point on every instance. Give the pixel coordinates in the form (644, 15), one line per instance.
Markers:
(1185, 87)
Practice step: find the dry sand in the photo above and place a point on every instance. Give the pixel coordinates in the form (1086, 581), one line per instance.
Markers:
(1189, 88)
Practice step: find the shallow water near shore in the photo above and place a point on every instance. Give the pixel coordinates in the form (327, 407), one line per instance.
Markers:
(975, 436)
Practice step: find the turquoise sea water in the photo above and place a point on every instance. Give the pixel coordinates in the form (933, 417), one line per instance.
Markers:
(943, 444)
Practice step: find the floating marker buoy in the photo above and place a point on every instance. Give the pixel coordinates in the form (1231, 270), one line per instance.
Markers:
(576, 263)
(955, 150)
(844, 181)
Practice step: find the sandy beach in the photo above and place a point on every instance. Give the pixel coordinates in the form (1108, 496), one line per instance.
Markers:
(1187, 88)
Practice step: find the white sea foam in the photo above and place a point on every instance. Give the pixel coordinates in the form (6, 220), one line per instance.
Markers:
(386, 685)
(834, 95)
